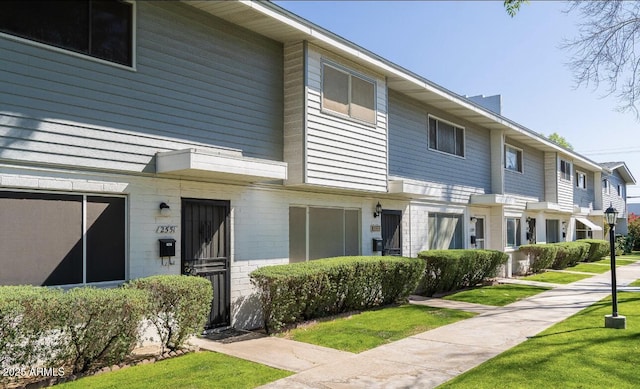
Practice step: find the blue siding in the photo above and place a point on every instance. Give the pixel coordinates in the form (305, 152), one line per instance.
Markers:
(584, 198)
(199, 82)
(410, 157)
(531, 181)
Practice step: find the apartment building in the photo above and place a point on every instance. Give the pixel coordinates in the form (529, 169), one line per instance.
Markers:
(212, 138)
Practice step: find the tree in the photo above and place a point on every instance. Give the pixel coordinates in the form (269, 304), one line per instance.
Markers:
(560, 141)
(604, 50)
(513, 6)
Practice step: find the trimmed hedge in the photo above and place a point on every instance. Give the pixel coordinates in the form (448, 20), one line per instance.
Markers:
(300, 291)
(179, 305)
(569, 254)
(541, 256)
(84, 328)
(27, 315)
(598, 249)
(87, 328)
(100, 325)
(448, 270)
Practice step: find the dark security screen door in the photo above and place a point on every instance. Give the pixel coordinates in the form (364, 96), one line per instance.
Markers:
(391, 232)
(205, 252)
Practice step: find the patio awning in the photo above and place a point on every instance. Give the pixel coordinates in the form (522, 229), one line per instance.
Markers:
(589, 223)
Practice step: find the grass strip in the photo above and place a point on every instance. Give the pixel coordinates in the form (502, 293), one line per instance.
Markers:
(369, 329)
(591, 268)
(201, 370)
(496, 295)
(556, 277)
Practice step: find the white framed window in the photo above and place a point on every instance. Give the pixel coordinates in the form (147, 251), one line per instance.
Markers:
(62, 239)
(512, 158)
(446, 137)
(606, 186)
(349, 94)
(620, 192)
(583, 231)
(581, 180)
(553, 230)
(445, 231)
(565, 170)
(317, 232)
(514, 238)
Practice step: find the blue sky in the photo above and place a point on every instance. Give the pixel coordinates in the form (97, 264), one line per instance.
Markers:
(474, 47)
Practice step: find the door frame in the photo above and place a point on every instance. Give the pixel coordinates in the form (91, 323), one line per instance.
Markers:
(395, 213)
(227, 242)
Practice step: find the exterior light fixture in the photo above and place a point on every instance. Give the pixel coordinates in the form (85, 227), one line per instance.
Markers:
(378, 210)
(165, 209)
(613, 320)
(473, 220)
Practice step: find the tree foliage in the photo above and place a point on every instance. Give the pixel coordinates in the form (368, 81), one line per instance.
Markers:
(513, 6)
(560, 141)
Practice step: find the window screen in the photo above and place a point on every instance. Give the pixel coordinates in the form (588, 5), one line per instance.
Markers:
(41, 239)
(332, 232)
(335, 90)
(297, 234)
(42, 242)
(105, 239)
(445, 231)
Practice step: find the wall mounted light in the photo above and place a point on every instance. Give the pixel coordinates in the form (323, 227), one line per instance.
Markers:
(473, 220)
(165, 209)
(378, 210)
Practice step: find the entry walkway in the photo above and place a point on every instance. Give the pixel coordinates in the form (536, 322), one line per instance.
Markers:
(431, 358)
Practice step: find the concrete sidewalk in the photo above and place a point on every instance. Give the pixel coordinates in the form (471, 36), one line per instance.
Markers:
(431, 358)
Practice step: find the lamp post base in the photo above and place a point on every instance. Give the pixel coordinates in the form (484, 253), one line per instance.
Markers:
(617, 322)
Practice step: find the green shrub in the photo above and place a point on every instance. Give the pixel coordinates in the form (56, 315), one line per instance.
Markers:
(84, 328)
(569, 254)
(541, 256)
(598, 249)
(179, 306)
(26, 318)
(624, 244)
(100, 325)
(301, 291)
(448, 270)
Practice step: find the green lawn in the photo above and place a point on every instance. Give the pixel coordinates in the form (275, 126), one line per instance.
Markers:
(195, 370)
(590, 267)
(369, 329)
(556, 277)
(619, 261)
(635, 283)
(576, 353)
(497, 295)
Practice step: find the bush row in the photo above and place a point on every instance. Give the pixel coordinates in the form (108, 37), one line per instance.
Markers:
(448, 270)
(301, 291)
(564, 254)
(87, 328)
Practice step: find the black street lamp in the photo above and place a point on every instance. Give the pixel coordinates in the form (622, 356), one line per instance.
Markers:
(613, 320)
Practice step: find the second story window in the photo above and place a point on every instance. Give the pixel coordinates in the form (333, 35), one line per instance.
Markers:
(620, 193)
(581, 180)
(606, 186)
(348, 94)
(512, 158)
(446, 137)
(101, 29)
(565, 170)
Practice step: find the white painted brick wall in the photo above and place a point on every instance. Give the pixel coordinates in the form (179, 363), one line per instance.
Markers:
(259, 221)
